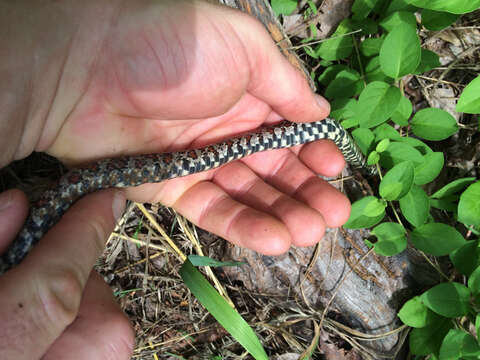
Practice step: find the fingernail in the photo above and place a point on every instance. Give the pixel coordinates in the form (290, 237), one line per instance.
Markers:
(118, 204)
(5, 200)
(322, 103)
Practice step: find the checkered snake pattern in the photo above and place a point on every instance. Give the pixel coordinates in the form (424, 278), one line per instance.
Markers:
(136, 170)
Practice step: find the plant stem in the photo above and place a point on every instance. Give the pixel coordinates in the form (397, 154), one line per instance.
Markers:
(434, 266)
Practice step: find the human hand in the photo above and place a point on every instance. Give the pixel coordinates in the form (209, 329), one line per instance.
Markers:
(165, 76)
(52, 306)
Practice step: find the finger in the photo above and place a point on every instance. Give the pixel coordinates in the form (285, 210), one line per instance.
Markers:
(100, 331)
(41, 296)
(283, 170)
(208, 206)
(274, 80)
(13, 211)
(322, 157)
(305, 225)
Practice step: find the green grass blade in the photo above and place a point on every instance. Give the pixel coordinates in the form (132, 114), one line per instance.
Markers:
(198, 260)
(216, 305)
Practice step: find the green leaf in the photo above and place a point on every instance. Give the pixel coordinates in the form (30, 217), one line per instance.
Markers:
(377, 103)
(380, 6)
(415, 206)
(364, 139)
(198, 260)
(448, 203)
(350, 122)
(437, 239)
(339, 46)
(374, 207)
(368, 26)
(399, 5)
(429, 61)
(330, 73)
(343, 108)
(325, 63)
(373, 72)
(474, 281)
(403, 111)
(398, 152)
(366, 212)
(373, 158)
(312, 53)
(397, 182)
(429, 169)
(414, 313)
(284, 7)
(427, 340)
(433, 124)
(437, 20)
(361, 8)
(419, 145)
(382, 145)
(469, 101)
(454, 7)
(453, 187)
(469, 205)
(391, 239)
(477, 324)
(399, 18)
(467, 258)
(312, 7)
(458, 344)
(385, 131)
(216, 305)
(371, 47)
(401, 52)
(449, 299)
(345, 84)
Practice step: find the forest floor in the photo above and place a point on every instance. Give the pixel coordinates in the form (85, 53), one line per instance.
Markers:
(143, 271)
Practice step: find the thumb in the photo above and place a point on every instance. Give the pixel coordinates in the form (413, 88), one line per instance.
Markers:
(40, 297)
(278, 83)
(13, 211)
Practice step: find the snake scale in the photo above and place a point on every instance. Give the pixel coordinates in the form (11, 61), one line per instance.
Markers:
(136, 170)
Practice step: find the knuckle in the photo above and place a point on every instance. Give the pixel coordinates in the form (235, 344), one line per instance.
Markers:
(60, 300)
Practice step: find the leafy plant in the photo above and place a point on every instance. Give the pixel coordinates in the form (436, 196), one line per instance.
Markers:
(284, 7)
(363, 78)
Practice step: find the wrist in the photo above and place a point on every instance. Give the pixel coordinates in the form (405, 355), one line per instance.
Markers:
(49, 48)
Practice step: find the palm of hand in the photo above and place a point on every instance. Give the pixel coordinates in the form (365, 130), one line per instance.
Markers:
(185, 78)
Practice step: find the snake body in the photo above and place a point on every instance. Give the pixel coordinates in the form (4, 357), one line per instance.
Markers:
(136, 170)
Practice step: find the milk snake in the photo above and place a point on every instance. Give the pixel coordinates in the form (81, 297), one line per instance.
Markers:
(136, 170)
